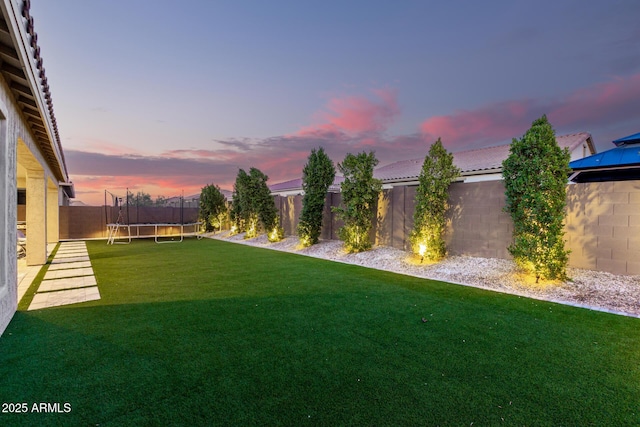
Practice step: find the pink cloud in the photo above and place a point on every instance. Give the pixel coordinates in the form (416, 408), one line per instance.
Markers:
(351, 124)
(90, 189)
(613, 101)
(173, 173)
(220, 155)
(598, 105)
(109, 147)
(355, 115)
(491, 123)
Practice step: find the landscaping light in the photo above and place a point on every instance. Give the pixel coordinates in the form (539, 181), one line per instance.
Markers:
(421, 251)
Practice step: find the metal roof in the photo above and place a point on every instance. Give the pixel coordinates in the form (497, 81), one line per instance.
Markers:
(631, 139)
(470, 162)
(625, 154)
(296, 185)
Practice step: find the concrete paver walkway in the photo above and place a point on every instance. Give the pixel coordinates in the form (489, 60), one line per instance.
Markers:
(68, 280)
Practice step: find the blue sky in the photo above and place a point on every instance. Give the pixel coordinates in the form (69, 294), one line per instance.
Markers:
(167, 96)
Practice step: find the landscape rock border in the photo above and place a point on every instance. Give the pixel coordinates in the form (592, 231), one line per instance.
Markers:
(588, 289)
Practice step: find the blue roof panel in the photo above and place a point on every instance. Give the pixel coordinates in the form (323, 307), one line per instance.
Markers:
(623, 155)
(631, 139)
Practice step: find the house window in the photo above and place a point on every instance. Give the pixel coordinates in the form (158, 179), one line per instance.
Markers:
(22, 196)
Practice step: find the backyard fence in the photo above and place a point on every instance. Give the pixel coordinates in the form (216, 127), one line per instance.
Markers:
(602, 225)
(90, 222)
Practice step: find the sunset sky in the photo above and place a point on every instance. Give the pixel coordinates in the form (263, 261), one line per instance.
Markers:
(168, 96)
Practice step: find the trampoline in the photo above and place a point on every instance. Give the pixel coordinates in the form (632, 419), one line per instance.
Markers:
(122, 231)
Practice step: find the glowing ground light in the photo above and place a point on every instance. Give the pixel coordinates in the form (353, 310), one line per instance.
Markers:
(421, 251)
(274, 234)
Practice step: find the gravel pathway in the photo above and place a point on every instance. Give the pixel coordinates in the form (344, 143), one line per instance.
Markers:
(590, 289)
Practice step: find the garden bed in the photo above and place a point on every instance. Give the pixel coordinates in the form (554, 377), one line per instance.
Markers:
(587, 288)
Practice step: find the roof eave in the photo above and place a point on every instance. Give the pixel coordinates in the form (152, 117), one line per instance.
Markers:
(24, 37)
(68, 189)
(591, 145)
(481, 172)
(607, 168)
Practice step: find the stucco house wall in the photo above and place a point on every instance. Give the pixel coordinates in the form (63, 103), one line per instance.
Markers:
(31, 156)
(8, 193)
(16, 137)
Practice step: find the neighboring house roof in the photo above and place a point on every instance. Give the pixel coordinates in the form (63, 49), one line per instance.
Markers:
(196, 197)
(483, 161)
(472, 162)
(574, 141)
(295, 186)
(623, 155)
(619, 163)
(631, 139)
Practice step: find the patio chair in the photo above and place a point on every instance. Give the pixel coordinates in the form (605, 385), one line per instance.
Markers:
(22, 244)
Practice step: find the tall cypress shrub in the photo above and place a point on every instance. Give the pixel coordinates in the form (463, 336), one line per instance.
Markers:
(240, 214)
(213, 207)
(359, 197)
(535, 177)
(253, 204)
(429, 218)
(261, 199)
(318, 174)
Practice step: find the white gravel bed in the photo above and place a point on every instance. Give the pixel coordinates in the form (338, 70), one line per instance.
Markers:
(590, 289)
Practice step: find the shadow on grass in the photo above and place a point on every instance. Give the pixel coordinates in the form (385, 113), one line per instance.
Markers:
(213, 339)
(347, 359)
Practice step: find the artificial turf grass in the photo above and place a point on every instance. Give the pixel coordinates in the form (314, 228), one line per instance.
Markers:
(209, 332)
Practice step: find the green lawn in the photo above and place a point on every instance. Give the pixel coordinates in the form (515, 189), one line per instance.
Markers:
(213, 333)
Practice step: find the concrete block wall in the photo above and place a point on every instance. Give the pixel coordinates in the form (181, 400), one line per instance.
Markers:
(82, 222)
(477, 224)
(394, 217)
(89, 222)
(331, 224)
(289, 210)
(603, 226)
